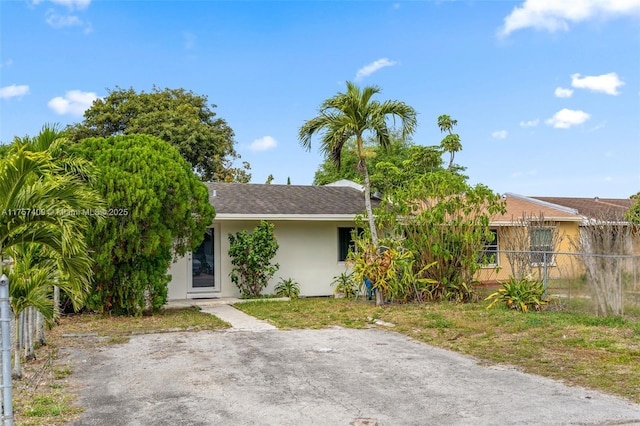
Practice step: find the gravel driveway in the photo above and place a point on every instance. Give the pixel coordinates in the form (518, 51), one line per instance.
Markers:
(324, 377)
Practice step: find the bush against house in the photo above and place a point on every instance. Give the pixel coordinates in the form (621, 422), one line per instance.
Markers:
(251, 254)
(156, 208)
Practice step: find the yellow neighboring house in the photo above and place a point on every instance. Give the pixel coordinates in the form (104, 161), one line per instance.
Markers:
(541, 235)
(525, 235)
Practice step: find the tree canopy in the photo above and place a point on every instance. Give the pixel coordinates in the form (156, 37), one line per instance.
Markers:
(180, 117)
(633, 215)
(156, 207)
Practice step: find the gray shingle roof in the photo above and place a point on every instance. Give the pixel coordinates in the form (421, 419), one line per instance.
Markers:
(260, 199)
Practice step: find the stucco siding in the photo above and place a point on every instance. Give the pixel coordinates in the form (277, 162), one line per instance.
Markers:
(308, 254)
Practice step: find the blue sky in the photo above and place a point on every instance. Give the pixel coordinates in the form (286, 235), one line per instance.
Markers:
(546, 92)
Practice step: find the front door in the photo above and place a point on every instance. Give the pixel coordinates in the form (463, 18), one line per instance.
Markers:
(203, 266)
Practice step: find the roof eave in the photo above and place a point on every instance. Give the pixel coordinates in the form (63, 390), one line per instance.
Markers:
(222, 217)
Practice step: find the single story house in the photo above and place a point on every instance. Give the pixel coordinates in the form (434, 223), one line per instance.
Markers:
(528, 224)
(312, 225)
(553, 224)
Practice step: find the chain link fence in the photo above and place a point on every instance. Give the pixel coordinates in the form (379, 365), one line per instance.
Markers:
(602, 284)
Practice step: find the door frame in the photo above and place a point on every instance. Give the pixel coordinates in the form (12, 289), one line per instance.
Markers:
(205, 292)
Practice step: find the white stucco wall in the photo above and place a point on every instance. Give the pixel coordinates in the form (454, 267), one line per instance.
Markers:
(308, 254)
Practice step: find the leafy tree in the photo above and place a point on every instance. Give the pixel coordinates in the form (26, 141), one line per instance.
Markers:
(437, 216)
(177, 116)
(354, 114)
(251, 255)
(156, 208)
(398, 150)
(633, 214)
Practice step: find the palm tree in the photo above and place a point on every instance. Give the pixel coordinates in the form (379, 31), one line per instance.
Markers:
(354, 114)
(451, 142)
(44, 201)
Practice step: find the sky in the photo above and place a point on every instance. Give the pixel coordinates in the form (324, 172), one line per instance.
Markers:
(546, 92)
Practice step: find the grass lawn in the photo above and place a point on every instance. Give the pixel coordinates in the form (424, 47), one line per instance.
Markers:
(580, 349)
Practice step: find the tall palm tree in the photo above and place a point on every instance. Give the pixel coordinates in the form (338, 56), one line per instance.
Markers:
(354, 114)
(451, 142)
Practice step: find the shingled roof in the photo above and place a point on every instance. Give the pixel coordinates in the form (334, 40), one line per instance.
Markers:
(519, 206)
(246, 200)
(594, 208)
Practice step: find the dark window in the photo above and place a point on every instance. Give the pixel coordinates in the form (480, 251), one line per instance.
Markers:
(541, 245)
(346, 242)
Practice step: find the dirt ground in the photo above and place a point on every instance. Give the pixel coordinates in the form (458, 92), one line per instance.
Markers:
(318, 377)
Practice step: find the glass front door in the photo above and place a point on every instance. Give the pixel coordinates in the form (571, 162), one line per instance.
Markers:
(203, 265)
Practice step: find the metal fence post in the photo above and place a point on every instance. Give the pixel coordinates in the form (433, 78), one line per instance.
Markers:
(5, 328)
(545, 277)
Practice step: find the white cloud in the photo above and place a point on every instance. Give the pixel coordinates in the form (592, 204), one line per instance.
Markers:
(605, 83)
(70, 4)
(369, 69)
(74, 102)
(566, 118)
(499, 134)
(58, 21)
(263, 144)
(13, 91)
(530, 123)
(554, 15)
(6, 63)
(61, 21)
(561, 92)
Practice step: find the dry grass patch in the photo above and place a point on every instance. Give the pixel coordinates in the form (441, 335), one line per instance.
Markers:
(44, 396)
(580, 349)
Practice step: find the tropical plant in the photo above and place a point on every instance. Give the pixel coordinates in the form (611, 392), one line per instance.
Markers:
(519, 294)
(345, 284)
(157, 208)
(251, 254)
(391, 270)
(633, 214)
(441, 218)
(353, 114)
(287, 288)
(451, 142)
(44, 192)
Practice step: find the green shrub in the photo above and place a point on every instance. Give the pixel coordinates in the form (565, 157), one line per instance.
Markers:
(251, 255)
(287, 288)
(521, 295)
(345, 284)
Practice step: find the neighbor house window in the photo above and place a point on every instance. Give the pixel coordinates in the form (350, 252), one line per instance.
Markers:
(541, 245)
(346, 242)
(489, 255)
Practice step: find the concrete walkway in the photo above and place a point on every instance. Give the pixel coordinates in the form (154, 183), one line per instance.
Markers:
(223, 309)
